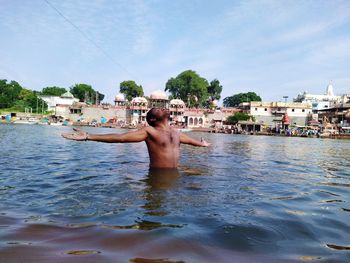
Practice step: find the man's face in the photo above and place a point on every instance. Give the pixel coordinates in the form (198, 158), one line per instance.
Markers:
(161, 113)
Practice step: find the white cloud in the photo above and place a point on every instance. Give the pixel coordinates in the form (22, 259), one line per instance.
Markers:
(270, 47)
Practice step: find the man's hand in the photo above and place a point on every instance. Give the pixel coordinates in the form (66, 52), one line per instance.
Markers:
(77, 135)
(205, 143)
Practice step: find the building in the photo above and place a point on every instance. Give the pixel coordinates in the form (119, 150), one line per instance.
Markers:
(275, 114)
(82, 112)
(177, 112)
(195, 118)
(217, 118)
(120, 100)
(138, 110)
(66, 98)
(338, 114)
(321, 102)
(158, 99)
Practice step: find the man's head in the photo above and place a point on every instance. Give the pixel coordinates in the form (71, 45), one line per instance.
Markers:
(155, 115)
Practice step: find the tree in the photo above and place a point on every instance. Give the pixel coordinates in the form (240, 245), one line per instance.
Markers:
(9, 92)
(86, 93)
(235, 100)
(214, 90)
(238, 116)
(190, 87)
(29, 99)
(53, 91)
(130, 89)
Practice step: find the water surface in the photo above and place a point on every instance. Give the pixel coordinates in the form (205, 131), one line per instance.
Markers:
(244, 199)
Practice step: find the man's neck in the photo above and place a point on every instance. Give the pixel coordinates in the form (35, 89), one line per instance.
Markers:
(162, 125)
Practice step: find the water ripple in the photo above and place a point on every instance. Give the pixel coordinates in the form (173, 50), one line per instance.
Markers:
(272, 196)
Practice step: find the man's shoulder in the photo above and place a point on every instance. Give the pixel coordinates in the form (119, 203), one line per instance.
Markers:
(148, 129)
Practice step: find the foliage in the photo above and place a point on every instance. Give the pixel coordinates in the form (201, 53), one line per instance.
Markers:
(53, 91)
(28, 97)
(86, 93)
(190, 87)
(14, 97)
(238, 116)
(235, 100)
(214, 90)
(9, 92)
(130, 89)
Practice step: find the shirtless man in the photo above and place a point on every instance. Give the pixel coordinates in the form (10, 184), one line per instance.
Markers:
(163, 141)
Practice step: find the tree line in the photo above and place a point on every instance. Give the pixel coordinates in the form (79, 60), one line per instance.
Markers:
(193, 89)
(14, 97)
(188, 86)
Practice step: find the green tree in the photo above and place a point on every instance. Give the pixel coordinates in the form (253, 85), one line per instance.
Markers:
(238, 116)
(53, 91)
(9, 92)
(130, 89)
(29, 99)
(86, 93)
(190, 87)
(235, 100)
(214, 90)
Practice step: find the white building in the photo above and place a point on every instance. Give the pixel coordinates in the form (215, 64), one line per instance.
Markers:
(138, 110)
(158, 99)
(66, 98)
(120, 100)
(177, 109)
(271, 113)
(321, 102)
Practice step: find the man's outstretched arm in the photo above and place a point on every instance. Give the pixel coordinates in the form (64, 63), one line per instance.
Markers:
(188, 140)
(135, 136)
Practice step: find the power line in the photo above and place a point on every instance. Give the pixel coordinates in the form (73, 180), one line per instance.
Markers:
(88, 38)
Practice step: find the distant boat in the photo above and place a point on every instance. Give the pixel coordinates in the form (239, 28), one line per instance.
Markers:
(44, 121)
(56, 123)
(67, 123)
(185, 130)
(26, 121)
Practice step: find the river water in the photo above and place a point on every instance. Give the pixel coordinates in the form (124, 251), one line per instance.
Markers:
(244, 199)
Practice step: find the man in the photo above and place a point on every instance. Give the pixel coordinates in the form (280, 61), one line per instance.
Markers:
(163, 141)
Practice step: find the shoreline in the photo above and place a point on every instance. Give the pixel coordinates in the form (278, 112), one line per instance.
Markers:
(344, 136)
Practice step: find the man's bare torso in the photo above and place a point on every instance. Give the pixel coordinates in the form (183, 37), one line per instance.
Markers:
(163, 147)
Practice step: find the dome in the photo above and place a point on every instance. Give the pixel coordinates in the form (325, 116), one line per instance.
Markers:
(158, 95)
(329, 91)
(177, 102)
(67, 95)
(120, 97)
(139, 100)
(215, 102)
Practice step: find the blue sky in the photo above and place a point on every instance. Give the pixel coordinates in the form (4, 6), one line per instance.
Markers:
(274, 48)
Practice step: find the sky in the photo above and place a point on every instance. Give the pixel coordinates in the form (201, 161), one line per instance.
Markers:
(274, 48)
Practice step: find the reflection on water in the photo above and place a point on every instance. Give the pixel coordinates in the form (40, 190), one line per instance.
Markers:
(245, 199)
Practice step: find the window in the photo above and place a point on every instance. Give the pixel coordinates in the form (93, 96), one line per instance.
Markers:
(75, 111)
(265, 109)
(293, 110)
(256, 109)
(303, 110)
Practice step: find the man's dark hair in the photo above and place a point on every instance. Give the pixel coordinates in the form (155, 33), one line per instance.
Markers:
(151, 120)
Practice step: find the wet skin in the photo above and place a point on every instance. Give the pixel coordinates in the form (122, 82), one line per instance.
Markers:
(163, 141)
